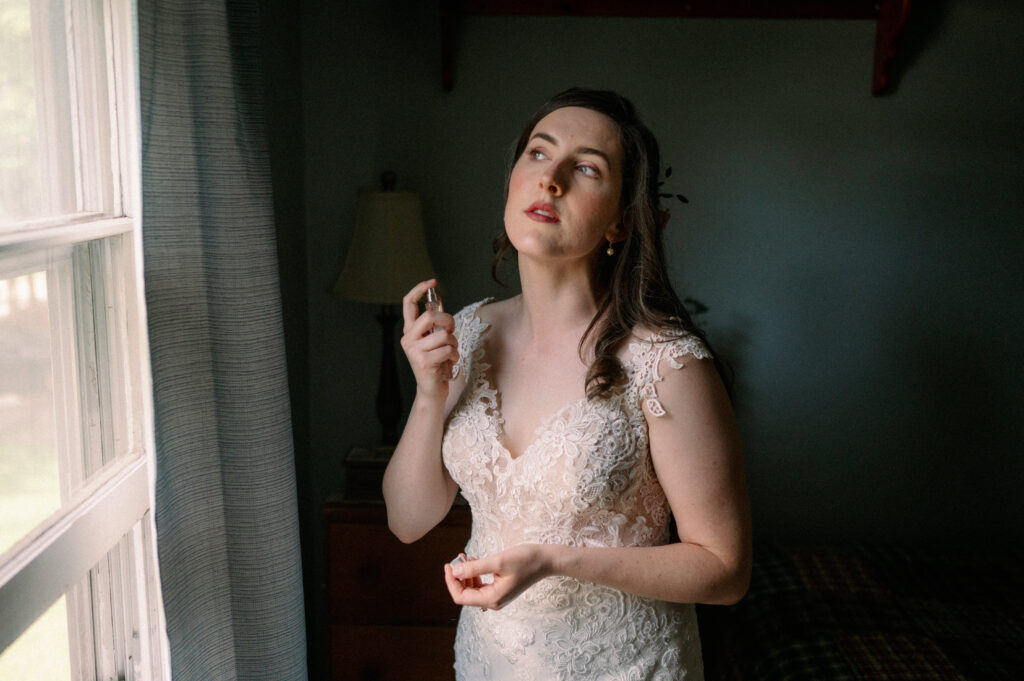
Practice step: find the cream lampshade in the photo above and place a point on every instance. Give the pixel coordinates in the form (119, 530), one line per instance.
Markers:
(388, 253)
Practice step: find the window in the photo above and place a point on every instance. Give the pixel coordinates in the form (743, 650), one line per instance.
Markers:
(79, 590)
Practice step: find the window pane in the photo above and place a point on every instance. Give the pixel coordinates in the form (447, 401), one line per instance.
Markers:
(35, 112)
(29, 477)
(41, 652)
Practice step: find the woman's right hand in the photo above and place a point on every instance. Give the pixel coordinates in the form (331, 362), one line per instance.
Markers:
(429, 343)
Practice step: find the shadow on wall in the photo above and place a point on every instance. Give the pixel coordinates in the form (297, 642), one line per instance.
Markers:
(731, 340)
(959, 474)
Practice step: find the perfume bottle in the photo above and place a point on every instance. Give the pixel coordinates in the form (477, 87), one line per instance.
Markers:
(433, 304)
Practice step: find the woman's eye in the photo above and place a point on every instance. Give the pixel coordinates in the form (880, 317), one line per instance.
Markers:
(536, 154)
(589, 171)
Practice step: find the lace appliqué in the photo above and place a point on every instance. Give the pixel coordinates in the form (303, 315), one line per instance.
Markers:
(647, 356)
(468, 328)
(586, 479)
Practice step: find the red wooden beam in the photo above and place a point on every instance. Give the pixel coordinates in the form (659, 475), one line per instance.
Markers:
(890, 15)
(892, 18)
(760, 9)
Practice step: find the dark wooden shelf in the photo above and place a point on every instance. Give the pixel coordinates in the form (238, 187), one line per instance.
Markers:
(890, 17)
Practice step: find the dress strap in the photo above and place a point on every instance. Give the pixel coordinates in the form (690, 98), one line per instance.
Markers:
(468, 330)
(646, 359)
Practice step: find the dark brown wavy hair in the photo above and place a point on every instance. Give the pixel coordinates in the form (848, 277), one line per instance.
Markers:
(632, 286)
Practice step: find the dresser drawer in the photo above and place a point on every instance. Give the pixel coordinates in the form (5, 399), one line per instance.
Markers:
(383, 653)
(376, 579)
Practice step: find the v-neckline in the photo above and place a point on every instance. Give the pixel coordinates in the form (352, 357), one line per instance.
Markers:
(497, 414)
(543, 424)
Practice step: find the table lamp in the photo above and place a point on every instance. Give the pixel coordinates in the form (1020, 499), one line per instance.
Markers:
(386, 257)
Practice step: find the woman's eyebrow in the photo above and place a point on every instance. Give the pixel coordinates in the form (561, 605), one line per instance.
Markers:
(580, 150)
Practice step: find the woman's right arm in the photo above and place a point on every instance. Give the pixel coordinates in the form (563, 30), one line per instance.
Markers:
(418, 490)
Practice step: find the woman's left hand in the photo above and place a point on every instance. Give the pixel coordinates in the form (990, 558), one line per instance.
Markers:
(515, 570)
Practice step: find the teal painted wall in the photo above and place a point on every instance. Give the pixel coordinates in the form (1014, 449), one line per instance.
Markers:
(862, 257)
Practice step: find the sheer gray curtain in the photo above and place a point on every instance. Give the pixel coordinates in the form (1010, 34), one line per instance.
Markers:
(225, 497)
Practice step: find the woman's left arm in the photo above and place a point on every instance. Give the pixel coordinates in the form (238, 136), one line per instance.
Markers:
(695, 448)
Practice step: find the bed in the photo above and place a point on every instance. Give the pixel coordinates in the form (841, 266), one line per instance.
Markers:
(871, 612)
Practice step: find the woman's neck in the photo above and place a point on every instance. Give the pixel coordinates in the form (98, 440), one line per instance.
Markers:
(555, 301)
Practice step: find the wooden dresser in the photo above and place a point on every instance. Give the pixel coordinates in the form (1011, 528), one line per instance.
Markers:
(391, 617)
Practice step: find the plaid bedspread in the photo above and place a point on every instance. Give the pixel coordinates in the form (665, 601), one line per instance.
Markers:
(871, 612)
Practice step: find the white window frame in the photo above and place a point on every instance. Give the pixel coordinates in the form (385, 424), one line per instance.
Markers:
(99, 548)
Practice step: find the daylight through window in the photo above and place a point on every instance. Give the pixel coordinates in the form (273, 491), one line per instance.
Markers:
(79, 592)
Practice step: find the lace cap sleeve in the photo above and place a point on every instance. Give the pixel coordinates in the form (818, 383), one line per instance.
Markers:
(647, 356)
(468, 328)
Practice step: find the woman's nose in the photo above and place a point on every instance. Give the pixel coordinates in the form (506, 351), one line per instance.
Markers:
(552, 183)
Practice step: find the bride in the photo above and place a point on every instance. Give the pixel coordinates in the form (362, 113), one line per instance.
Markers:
(579, 419)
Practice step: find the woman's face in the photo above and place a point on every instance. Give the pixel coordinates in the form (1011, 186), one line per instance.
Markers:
(564, 191)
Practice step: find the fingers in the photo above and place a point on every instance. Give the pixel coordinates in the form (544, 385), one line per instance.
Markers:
(417, 324)
(457, 567)
(411, 302)
(429, 342)
(465, 582)
(429, 355)
(455, 586)
(430, 322)
(464, 590)
(471, 592)
(474, 567)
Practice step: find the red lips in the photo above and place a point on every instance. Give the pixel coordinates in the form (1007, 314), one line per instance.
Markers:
(542, 212)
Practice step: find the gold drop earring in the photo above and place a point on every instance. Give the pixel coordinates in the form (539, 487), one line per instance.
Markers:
(611, 249)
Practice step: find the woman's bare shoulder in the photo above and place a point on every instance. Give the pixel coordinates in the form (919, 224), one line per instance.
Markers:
(496, 312)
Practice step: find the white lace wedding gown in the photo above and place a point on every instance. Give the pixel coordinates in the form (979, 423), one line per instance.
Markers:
(585, 480)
